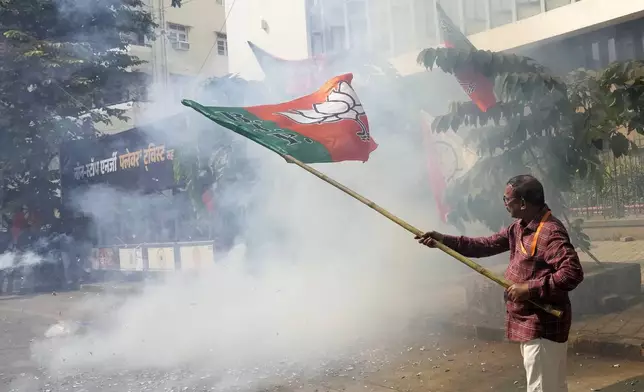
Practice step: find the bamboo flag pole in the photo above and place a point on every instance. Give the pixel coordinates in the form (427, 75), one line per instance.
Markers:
(476, 267)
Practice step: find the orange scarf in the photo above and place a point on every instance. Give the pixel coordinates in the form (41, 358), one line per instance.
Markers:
(533, 247)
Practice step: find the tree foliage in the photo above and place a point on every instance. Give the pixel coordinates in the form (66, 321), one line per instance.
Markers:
(553, 127)
(63, 63)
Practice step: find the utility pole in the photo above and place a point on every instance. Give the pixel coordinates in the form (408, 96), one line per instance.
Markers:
(160, 52)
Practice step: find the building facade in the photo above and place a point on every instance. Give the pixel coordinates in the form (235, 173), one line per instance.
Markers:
(190, 45)
(596, 31)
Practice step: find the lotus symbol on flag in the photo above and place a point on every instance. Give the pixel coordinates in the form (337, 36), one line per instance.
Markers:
(342, 103)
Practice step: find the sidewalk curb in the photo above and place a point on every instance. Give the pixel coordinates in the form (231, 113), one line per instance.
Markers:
(605, 345)
(613, 346)
(111, 288)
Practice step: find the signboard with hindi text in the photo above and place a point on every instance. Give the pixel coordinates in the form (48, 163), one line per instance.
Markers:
(161, 258)
(131, 259)
(196, 256)
(137, 159)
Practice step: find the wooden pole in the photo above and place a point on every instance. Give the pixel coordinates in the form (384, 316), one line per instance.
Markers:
(476, 267)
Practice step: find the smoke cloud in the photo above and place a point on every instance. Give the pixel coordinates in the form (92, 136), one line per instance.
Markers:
(313, 276)
(9, 260)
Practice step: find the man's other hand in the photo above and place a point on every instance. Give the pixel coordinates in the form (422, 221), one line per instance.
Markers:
(430, 238)
(518, 292)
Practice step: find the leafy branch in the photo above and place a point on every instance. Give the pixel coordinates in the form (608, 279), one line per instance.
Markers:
(541, 123)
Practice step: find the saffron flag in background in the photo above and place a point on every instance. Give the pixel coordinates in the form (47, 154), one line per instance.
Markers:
(437, 180)
(447, 159)
(478, 87)
(300, 76)
(329, 125)
(208, 199)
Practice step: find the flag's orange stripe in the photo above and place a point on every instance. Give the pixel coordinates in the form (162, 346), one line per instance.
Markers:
(338, 138)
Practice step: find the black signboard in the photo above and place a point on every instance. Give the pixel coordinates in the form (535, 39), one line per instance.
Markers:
(137, 159)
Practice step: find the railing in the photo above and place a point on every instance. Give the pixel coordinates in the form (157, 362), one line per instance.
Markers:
(622, 192)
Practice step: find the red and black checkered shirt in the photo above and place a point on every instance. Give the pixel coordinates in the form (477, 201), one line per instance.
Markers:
(551, 273)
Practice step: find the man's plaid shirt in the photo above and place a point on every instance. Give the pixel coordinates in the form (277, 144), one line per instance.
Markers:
(551, 273)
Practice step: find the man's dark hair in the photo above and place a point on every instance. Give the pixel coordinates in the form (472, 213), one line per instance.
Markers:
(528, 188)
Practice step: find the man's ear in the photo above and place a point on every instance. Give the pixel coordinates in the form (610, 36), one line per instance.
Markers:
(522, 203)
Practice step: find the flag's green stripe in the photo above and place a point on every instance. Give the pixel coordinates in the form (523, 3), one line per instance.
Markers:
(267, 133)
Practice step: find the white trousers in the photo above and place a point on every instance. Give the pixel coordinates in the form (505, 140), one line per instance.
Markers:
(545, 365)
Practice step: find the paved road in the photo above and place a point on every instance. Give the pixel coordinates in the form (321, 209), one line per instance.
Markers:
(433, 363)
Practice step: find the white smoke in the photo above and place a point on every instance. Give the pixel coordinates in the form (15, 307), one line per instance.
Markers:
(314, 277)
(9, 260)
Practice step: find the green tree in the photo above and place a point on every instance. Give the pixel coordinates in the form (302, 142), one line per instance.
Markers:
(551, 126)
(62, 63)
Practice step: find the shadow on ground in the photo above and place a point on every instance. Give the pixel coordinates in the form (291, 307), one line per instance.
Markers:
(631, 385)
(634, 384)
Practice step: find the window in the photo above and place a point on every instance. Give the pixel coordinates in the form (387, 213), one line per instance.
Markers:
(401, 16)
(425, 23)
(501, 12)
(612, 51)
(222, 44)
(577, 60)
(335, 29)
(528, 8)
(475, 16)
(552, 4)
(317, 44)
(335, 38)
(379, 18)
(315, 27)
(315, 19)
(178, 36)
(596, 59)
(357, 18)
(625, 46)
(135, 39)
(177, 33)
